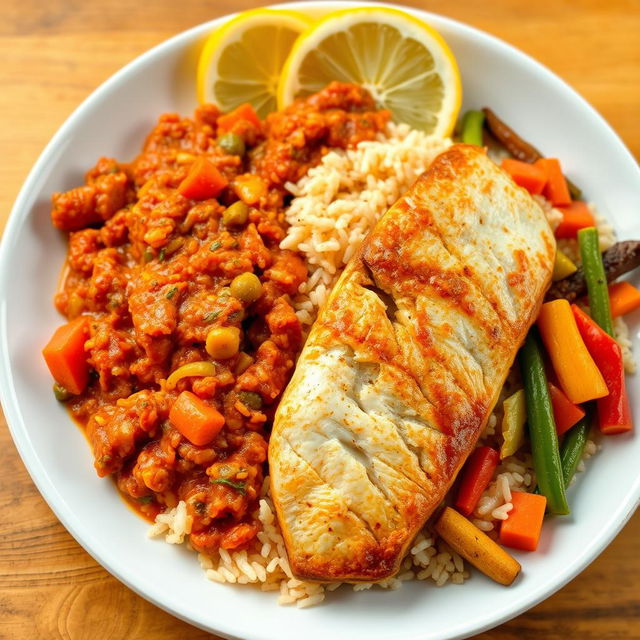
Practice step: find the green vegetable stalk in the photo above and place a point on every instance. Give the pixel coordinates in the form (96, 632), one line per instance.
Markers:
(542, 428)
(597, 289)
(472, 124)
(573, 447)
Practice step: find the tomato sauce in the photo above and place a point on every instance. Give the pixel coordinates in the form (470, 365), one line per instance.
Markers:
(153, 272)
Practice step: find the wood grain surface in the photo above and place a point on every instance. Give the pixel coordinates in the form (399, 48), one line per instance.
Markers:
(53, 54)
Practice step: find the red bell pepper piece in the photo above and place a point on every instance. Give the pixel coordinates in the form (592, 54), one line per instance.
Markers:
(203, 181)
(476, 475)
(614, 413)
(565, 413)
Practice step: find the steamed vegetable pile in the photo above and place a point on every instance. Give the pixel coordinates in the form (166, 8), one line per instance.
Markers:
(571, 366)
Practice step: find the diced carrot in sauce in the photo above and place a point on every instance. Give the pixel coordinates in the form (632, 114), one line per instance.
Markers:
(565, 413)
(521, 529)
(529, 176)
(243, 112)
(203, 181)
(575, 216)
(556, 189)
(196, 420)
(65, 355)
(623, 298)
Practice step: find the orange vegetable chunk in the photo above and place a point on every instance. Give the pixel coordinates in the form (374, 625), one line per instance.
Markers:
(577, 373)
(624, 298)
(243, 112)
(575, 216)
(203, 181)
(565, 413)
(197, 421)
(521, 530)
(556, 189)
(65, 355)
(529, 176)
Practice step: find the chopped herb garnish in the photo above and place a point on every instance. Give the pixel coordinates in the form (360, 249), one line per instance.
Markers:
(211, 316)
(215, 246)
(145, 499)
(172, 292)
(162, 254)
(239, 486)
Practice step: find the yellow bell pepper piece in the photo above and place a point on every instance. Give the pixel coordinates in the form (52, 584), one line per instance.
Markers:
(563, 266)
(513, 421)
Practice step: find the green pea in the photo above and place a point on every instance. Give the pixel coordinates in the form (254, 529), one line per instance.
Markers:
(232, 143)
(235, 215)
(246, 287)
(61, 394)
(251, 399)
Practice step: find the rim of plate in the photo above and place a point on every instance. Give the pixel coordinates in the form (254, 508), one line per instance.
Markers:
(82, 534)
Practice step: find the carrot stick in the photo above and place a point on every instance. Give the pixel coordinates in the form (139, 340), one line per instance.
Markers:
(577, 373)
(65, 355)
(476, 475)
(197, 421)
(521, 529)
(575, 216)
(556, 189)
(624, 298)
(476, 547)
(565, 413)
(529, 176)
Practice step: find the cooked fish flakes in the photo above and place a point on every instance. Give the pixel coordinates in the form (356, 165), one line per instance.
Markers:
(403, 367)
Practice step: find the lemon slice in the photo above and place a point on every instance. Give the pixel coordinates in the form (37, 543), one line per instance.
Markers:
(403, 62)
(242, 60)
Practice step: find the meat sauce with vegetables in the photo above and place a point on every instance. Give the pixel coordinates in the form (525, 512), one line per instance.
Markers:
(182, 335)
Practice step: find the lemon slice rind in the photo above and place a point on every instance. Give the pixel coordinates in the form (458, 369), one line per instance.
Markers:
(236, 66)
(418, 66)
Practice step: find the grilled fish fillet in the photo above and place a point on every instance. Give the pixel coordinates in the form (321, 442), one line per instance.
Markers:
(404, 365)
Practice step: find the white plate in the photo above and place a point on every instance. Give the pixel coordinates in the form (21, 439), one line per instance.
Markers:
(113, 121)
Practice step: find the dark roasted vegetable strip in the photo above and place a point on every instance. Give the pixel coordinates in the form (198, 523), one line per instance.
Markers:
(472, 124)
(513, 143)
(516, 146)
(617, 260)
(542, 428)
(594, 275)
(573, 446)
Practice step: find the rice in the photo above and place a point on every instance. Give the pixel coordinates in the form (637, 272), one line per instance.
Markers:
(265, 562)
(339, 201)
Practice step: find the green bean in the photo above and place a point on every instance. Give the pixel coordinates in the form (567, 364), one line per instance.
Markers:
(573, 447)
(542, 427)
(594, 274)
(472, 128)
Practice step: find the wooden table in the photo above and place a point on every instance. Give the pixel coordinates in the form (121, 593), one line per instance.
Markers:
(53, 55)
